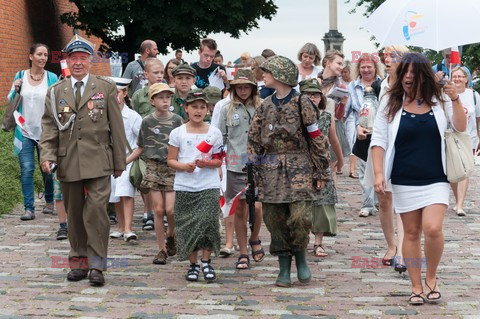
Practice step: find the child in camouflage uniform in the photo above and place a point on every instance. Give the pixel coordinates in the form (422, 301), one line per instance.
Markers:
(159, 178)
(285, 128)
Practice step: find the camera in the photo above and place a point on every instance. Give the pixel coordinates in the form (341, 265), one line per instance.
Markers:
(53, 167)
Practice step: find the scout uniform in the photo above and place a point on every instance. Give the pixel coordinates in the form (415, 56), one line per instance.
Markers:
(298, 157)
(85, 136)
(178, 104)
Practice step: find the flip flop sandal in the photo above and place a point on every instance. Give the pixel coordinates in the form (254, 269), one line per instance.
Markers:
(257, 252)
(433, 291)
(239, 264)
(416, 299)
(319, 251)
(353, 176)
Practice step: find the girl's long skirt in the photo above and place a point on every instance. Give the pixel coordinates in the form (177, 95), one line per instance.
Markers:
(196, 222)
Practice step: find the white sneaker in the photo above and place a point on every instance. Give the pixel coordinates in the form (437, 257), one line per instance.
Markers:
(116, 234)
(129, 236)
(364, 213)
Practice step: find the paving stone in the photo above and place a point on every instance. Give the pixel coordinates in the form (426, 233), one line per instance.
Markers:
(401, 312)
(142, 315)
(291, 298)
(367, 312)
(86, 309)
(293, 308)
(275, 312)
(86, 299)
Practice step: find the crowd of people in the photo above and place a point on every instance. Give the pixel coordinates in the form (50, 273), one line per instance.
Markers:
(298, 120)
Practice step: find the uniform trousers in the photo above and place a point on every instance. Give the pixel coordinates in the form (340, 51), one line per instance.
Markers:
(289, 225)
(87, 219)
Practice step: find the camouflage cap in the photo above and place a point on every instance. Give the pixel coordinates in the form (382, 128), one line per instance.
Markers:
(310, 85)
(184, 68)
(283, 69)
(244, 76)
(213, 94)
(195, 95)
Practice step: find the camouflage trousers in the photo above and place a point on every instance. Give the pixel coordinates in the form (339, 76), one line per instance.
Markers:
(289, 225)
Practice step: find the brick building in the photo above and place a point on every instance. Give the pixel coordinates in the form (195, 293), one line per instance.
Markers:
(24, 22)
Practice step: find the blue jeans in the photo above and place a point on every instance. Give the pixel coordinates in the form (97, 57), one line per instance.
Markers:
(27, 168)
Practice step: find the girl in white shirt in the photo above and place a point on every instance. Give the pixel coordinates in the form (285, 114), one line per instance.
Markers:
(471, 104)
(123, 192)
(197, 187)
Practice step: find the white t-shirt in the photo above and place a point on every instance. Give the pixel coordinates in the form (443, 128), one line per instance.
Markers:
(33, 105)
(201, 178)
(218, 110)
(132, 122)
(472, 111)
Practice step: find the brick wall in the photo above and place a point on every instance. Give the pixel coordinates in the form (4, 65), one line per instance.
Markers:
(24, 22)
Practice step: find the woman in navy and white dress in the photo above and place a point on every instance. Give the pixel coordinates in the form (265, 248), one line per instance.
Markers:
(408, 147)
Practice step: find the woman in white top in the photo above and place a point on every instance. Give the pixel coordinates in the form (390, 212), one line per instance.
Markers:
(393, 256)
(366, 71)
(32, 85)
(408, 147)
(330, 79)
(123, 192)
(471, 103)
(309, 57)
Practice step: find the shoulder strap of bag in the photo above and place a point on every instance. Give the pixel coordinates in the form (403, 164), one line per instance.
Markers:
(141, 64)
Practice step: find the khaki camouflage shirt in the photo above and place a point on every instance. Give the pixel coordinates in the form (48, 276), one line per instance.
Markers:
(285, 167)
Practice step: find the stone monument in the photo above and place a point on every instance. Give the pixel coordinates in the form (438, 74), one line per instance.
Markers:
(333, 39)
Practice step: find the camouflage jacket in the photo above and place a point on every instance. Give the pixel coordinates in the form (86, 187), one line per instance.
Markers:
(286, 168)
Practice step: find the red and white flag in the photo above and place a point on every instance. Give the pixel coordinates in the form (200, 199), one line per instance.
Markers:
(206, 145)
(231, 72)
(65, 69)
(455, 56)
(20, 120)
(228, 208)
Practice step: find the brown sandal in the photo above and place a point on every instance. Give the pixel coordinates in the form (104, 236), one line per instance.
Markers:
(257, 252)
(239, 264)
(319, 251)
(161, 258)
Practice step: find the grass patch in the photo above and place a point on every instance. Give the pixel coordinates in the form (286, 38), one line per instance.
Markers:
(10, 187)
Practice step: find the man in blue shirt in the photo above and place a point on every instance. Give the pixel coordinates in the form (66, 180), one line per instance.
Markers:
(443, 69)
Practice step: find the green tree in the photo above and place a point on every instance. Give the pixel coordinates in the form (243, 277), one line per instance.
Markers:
(470, 54)
(171, 23)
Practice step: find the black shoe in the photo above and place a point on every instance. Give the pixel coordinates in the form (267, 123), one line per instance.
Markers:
(113, 219)
(77, 274)
(29, 215)
(148, 223)
(62, 233)
(96, 278)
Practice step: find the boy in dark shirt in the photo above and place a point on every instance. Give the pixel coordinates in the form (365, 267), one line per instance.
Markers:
(205, 66)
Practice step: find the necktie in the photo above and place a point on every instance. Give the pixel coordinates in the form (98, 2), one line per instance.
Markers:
(78, 94)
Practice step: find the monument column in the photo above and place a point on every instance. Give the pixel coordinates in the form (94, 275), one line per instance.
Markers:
(333, 39)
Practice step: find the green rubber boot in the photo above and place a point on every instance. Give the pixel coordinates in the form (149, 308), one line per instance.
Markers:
(283, 279)
(303, 272)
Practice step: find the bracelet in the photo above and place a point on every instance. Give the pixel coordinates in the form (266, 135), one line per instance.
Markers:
(458, 97)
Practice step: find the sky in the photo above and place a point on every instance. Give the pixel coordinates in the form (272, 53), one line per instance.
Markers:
(296, 23)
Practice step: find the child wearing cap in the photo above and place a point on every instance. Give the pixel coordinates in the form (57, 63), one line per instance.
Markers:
(234, 123)
(214, 95)
(123, 192)
(324, 216)
(197, 187)
(285, 131)
(184, 77)
(158, 178)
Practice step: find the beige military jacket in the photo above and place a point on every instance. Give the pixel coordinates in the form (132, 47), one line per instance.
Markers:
(93, 143)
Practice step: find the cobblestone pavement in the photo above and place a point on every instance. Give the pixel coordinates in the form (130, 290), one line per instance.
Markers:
(31, 287)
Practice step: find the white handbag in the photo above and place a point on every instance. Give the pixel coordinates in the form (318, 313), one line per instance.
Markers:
(459, 154)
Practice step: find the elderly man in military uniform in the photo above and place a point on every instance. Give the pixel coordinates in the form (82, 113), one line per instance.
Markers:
(83, 135)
